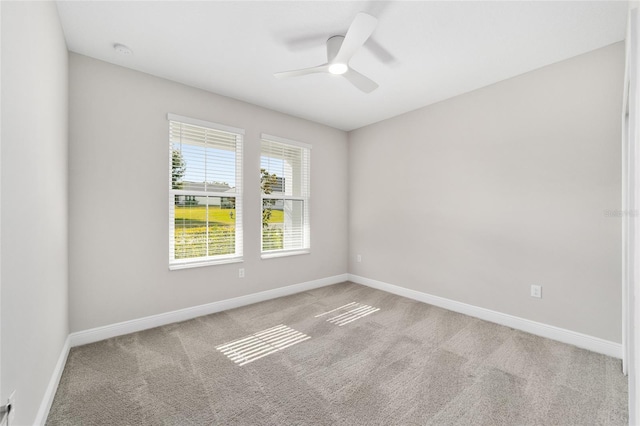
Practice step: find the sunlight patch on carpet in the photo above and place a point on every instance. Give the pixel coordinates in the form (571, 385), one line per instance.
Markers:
(349, 313)
(260, 344)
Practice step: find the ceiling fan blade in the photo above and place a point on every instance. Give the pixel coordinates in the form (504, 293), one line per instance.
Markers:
(360, 30)
(305, 71)
(362, 82)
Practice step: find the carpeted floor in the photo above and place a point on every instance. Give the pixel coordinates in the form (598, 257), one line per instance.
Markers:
(406, 364)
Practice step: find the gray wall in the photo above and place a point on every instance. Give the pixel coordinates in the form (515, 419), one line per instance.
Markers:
(119, 197)
(34, 201)
(480, 196)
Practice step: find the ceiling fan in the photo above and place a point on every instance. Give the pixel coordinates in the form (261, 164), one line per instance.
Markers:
(340, 50)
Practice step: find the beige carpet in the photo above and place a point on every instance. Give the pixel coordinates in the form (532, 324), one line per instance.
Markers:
(407, 363)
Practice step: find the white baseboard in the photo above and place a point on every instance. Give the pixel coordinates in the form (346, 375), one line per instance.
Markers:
(50, 393)
(584, 341)
(100, 333)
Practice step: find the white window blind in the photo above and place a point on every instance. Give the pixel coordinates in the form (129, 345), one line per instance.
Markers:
(205, 203)
(285, 168)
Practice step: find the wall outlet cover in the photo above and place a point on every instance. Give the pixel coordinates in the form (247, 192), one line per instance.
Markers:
(536, 291)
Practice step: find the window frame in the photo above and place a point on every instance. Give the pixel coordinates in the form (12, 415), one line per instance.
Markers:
(237, 256)
(305, 198)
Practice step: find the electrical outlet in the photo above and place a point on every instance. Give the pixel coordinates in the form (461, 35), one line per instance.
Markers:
(536, 291)
(241, 272)
(12, 402)
(359, 258)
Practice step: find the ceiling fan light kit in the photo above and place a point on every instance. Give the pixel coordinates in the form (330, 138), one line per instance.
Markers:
(338, 69)
(340, 50)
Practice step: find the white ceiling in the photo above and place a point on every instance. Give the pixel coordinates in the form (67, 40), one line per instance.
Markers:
(420, 53)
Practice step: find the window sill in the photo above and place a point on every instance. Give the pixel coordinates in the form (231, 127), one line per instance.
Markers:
(284, 253)
(198, 264)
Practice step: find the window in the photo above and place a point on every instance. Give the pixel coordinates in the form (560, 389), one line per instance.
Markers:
(205, 201)
(284, 177)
